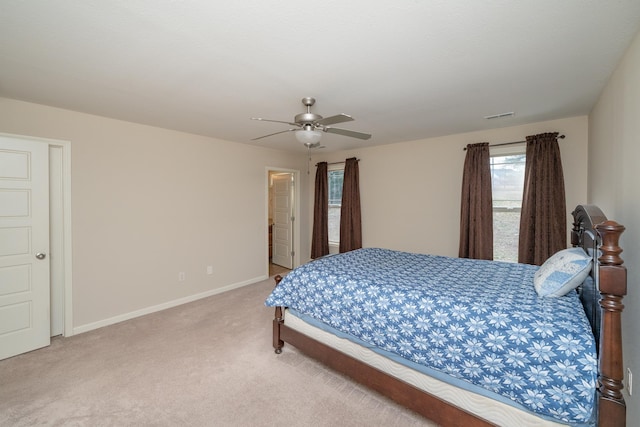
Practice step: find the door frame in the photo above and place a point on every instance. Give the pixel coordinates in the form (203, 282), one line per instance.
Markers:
(296, 214)
(62, 208)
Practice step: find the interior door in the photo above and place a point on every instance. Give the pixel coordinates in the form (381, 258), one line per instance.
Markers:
(24, 246)
(282, 234)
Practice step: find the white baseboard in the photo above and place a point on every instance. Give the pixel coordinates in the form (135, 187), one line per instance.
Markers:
(169, 304)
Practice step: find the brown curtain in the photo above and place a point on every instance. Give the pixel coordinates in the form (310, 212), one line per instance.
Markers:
(350, 215)
(320, 236)
(476, 210)
(543, 222)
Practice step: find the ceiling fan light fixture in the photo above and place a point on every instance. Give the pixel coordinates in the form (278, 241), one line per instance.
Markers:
(312, 125)
(310, 136)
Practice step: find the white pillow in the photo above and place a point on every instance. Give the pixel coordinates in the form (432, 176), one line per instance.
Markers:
(563, 271)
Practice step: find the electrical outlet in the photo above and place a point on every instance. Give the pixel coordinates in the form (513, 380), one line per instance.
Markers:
(210, 269)
(182, 276)
(629, 381)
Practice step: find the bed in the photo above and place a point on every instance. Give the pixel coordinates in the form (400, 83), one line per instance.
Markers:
(470, 342)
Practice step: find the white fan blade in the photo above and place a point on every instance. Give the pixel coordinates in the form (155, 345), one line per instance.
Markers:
(350, 133)
(339, 118)
(271, 134)
(274, 121)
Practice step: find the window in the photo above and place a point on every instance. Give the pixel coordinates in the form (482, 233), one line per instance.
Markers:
(507, 183)
(336, 177)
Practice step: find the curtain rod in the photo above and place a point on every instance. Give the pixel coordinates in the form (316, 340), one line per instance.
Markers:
(514, 142)
(337, 163)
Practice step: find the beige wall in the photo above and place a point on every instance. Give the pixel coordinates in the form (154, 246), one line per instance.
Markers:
(614, 173)
(410, 192)
(148, 203)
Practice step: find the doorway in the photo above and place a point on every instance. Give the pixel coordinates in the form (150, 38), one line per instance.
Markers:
(282, 220)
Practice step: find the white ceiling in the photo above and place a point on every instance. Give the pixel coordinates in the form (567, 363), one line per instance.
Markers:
(404, 69)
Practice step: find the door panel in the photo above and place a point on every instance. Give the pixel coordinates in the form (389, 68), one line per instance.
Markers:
(14, 203)
(14, 279)
(282, 220)
(24, 232)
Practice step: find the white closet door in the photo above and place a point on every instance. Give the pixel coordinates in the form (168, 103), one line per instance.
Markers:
(24, 246)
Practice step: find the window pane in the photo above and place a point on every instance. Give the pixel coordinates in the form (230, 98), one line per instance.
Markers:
(334, 224)
(505, 235)
(335, 187)
(336, 178)
(507, 180)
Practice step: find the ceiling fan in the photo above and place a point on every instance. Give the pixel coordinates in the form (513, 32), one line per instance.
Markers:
(309, 126)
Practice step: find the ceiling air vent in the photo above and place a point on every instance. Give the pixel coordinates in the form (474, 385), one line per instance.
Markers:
(499, 116)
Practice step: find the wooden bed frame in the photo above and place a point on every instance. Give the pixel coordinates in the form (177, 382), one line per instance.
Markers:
(591, 230)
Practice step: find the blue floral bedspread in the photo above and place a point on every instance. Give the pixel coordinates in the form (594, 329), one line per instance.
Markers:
(478, 321)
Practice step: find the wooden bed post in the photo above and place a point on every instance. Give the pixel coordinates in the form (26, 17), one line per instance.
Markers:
(277, 321)
(613, 287)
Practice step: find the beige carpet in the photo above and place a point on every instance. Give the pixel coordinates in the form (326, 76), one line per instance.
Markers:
(207, 363)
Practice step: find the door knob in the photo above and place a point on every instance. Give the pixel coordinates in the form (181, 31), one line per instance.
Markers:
(40, 255)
